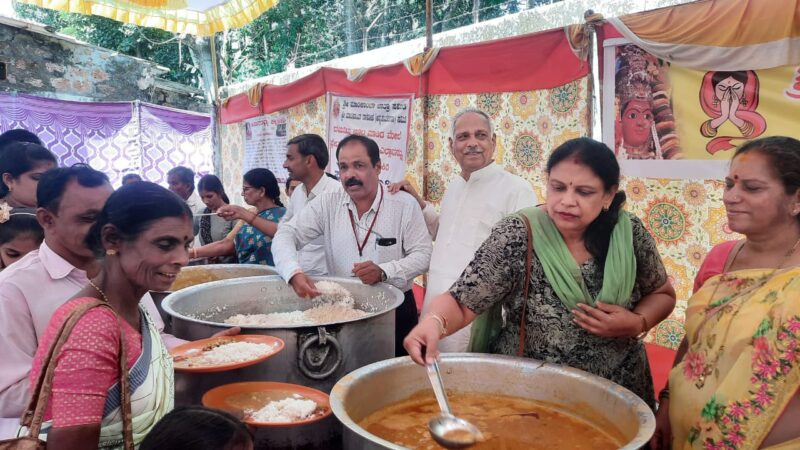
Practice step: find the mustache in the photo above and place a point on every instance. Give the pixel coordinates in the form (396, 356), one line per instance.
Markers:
(473, 151)
(353, 182)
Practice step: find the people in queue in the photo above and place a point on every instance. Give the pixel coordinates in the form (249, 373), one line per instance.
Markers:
(210, 227)
(20, 234)
(35, 286)
(198, 428)
(306, 160)
(736, 378)
(367, 232)
(591, 321)
(251, 240)
(18, 135)
(483, 194)
(129, 178)
(70, 200)
(21, 166)
(180, 180)
(141, 238)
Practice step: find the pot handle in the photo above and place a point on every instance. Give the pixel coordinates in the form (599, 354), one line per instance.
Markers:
(311, 362)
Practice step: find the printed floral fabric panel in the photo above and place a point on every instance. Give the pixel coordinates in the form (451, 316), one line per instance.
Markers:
(686, 217)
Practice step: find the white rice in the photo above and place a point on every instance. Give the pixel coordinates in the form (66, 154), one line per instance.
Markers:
(234, 352)
(334, 305)
(291, 409)
(332, 292)
(318, 314)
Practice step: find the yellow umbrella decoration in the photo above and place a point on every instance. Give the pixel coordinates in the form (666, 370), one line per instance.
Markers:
(195, 17)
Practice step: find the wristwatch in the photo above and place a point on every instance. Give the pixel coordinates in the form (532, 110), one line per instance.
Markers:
(383, 276)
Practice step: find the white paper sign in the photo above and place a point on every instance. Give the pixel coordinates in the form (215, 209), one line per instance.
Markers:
(384, 119)
(265, 144)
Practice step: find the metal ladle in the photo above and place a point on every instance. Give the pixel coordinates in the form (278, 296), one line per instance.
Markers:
(443, 426)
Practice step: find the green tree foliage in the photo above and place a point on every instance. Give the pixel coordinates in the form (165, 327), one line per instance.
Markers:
(294, 33)
(152, 44)
(298, 33)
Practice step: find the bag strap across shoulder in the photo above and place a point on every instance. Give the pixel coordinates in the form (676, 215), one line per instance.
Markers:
(34, 414)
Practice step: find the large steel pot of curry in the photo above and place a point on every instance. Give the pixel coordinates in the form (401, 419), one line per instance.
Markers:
(315, 355)
(194, 275)
(573, 392)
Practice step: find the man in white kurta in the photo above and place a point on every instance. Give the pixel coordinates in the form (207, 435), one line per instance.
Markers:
(483, 194)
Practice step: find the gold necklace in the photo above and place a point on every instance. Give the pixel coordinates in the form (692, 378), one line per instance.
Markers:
(102, 294)
(711, 365)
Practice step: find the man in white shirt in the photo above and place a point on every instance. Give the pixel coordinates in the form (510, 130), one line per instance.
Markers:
(367, 233)
(306, 160)
(472, 204)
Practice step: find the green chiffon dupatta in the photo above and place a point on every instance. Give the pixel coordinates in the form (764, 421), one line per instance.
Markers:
(564, 274)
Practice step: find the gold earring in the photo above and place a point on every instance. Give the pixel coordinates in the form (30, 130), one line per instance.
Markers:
(111, 252)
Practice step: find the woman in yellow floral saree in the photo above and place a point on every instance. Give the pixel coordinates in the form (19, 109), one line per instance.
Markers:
(735, 384)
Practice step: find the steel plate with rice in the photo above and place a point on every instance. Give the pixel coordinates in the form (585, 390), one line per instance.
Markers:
(219, 354)
(271, 404)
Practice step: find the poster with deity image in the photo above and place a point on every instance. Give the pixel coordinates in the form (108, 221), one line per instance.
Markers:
(666, 121)
(644, 124)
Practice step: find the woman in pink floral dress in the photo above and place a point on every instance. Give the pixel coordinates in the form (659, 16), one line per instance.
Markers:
(735, 384)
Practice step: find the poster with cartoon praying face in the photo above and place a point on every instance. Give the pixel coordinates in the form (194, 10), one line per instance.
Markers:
(730, 98)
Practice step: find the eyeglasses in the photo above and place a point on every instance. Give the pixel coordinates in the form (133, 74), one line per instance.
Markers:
(246, 188)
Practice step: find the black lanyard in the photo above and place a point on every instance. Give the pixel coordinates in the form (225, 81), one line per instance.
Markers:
(369, 231)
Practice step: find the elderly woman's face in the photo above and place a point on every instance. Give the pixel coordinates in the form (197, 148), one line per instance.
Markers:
(154, 258)
(755, 198)
(575, 196)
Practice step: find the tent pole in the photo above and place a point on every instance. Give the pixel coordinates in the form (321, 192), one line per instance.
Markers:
(214, 67)
(594, 79)
(215, 105)
(428, 24)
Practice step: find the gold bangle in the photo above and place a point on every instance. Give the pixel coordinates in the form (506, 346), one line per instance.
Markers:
(645, 328)
(441, 321)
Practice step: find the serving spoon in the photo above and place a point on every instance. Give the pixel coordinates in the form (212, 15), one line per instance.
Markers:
(446, 429)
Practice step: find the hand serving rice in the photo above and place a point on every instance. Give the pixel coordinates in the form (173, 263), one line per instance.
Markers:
(334, 305)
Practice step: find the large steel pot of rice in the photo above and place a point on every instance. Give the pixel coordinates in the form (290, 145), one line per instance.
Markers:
(315, 355)
(573, 391)
(194, 275)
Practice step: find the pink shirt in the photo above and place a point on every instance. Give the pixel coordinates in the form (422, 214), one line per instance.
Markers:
(30, 291)
(714, 263)
(88, 364)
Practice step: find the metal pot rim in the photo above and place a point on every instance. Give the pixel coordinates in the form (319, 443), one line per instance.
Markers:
(647, 422)
(259, 267)
(171, 298)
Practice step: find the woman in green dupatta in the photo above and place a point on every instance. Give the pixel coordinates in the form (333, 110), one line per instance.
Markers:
(597, 283)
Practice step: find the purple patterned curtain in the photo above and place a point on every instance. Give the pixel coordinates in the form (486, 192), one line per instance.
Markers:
(115, 138)
(171, 137)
